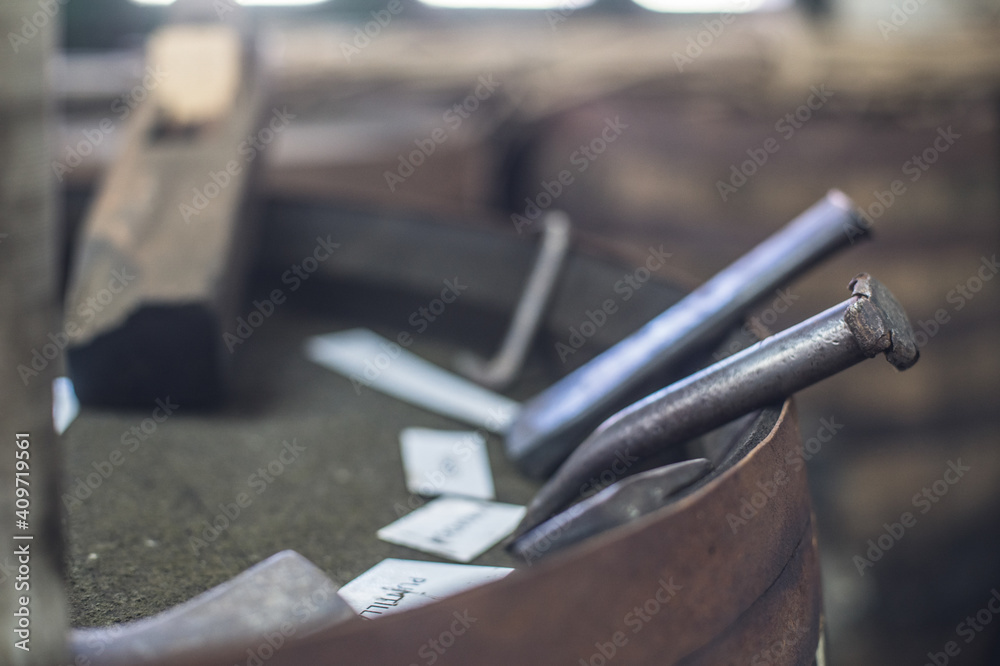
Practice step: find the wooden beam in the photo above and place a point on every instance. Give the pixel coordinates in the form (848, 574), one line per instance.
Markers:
(163, 250)
(33, 621)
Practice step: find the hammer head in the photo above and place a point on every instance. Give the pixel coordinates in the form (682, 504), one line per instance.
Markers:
(880, 324)
(285, 590)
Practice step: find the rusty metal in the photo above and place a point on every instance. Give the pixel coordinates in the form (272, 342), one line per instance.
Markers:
(546, 613)
(554, 422)
(706, 610)
(502, 369)
(868, 323)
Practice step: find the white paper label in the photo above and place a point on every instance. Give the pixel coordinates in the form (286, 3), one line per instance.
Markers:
(455, 527)
(369, 360)
(65, 405)
(395, 585)
(446, 462)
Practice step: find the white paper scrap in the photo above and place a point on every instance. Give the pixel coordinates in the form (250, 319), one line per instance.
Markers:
(65, 405)
(395, 585)
(369, 360)
(458, 528)
(446, 462)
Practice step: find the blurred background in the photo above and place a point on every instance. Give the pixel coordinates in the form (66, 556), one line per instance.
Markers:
(702, 126)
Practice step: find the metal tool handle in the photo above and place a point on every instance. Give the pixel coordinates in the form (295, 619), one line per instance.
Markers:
(870, 323)
(554, 422)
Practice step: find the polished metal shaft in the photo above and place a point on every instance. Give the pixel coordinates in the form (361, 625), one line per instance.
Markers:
(554, 422)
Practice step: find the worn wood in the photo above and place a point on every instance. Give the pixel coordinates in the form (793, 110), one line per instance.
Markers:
(28, 287)
(203, 72)
(162, 253)
(759, 59)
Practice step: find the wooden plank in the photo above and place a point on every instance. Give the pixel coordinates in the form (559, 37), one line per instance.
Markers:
(32, 603)
(762, 58)
(163, 251)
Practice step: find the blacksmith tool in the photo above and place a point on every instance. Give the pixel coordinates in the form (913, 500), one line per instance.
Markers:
(554, 422)
(612, 503)
(615, 505)
(275, 602)
(501, 370)
(870, 322)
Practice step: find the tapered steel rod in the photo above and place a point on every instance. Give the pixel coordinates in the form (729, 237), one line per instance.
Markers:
(868, 323)
(554, 422)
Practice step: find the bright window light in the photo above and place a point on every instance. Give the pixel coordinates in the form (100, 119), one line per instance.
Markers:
(565, 6)
(712, 6)
(248, 3)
